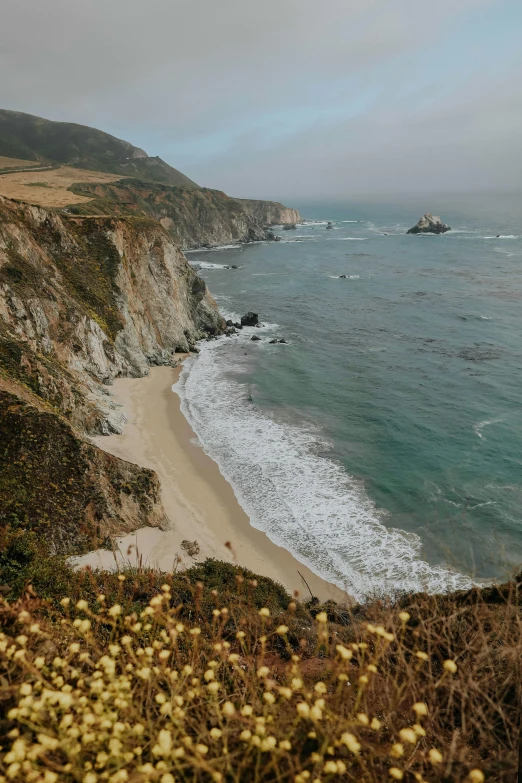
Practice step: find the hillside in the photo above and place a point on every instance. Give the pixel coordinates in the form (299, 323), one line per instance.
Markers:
(85, 171)
(192, 217)
(36, 139)
(81, 302)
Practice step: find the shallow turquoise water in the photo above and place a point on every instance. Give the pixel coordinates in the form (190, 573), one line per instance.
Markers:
(407, 375)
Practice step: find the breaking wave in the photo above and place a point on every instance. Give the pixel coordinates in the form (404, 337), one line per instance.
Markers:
(301, 499)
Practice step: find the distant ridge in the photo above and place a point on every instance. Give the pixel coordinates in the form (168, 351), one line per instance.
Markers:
(34, 138)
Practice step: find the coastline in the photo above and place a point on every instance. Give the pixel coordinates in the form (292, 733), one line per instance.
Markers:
(200, 504)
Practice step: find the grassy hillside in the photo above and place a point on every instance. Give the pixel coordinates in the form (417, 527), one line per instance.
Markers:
(35, 139)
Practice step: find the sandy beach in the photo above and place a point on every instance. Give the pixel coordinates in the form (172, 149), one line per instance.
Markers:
(200, 504)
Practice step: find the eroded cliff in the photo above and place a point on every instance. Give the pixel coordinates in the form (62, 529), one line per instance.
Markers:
(83, 300)
(192, 217)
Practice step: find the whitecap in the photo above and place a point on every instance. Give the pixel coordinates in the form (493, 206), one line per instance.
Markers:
(477, 428)
(214, 249)
(298, 497)
(205, 265)
(503, 236)
(302, 239)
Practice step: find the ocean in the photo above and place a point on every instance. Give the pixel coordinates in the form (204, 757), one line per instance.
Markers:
(382, 445)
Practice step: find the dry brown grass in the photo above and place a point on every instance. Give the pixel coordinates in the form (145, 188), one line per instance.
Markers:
(50, 188)
(17, 163)
(181, 691)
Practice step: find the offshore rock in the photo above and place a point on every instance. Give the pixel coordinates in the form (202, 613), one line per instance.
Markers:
(429, 224)
(250, 319)
(255, 338)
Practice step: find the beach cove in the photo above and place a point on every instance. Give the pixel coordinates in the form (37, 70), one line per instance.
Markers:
(199, 503)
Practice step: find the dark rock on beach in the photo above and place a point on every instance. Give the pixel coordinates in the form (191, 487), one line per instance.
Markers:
(429, 224)
(250, 319)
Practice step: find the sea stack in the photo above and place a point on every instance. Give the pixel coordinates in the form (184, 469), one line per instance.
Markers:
(429, 224)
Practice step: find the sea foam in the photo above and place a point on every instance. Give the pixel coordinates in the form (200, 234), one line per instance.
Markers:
(301, 499)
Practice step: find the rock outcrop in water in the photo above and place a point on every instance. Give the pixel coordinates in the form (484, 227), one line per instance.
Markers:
(429, 224)
(250, 319)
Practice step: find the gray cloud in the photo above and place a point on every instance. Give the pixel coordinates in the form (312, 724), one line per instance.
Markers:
(280, 97)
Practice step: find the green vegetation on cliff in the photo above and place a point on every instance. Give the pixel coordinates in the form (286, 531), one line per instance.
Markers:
(56, 484)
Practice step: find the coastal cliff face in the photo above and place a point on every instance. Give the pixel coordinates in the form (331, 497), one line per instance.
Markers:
(91, 291)
(83, 300)
(270, 213)
(194, 218)
(210, 217)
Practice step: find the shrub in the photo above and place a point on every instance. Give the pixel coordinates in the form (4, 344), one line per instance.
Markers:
(202, 684)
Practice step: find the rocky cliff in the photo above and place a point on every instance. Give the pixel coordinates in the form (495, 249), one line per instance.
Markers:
(194, 218)
(83, 300)
(270, 213)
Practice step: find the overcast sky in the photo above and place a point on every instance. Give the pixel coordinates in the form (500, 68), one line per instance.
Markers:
(284, 98)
